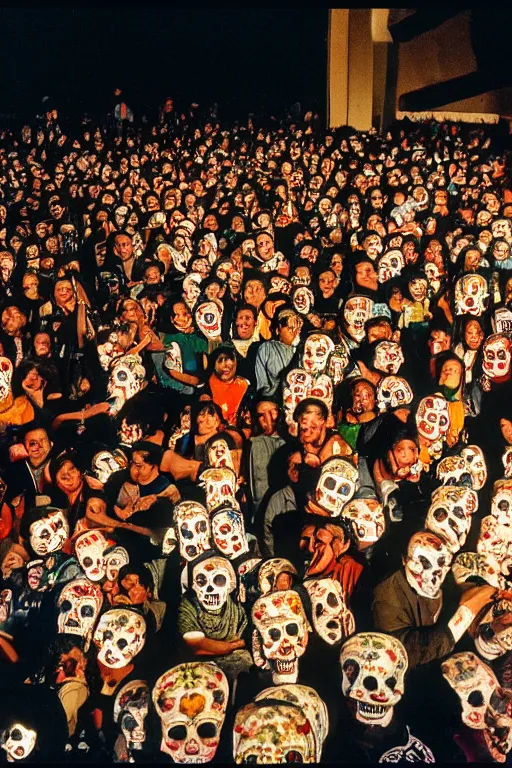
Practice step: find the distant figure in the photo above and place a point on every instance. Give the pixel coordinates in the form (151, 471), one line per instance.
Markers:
(122, 113)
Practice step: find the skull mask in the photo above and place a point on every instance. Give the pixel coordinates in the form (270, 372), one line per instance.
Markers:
(317, 349)
(501, 505)
(477, 466)
(173, 361)
(130, 710)
(49, 534)
(105, 464)
(274, 733)
(297, 388)
(90, 552)
(473, 566)
(391, 264)
(393, 392)
(494, 633)
(5, 378)
(388, 357)
(220, 487)
(496, 356)
(271, 570)
(373, 670)
(193, 528)
(228, 533)
(332, 620)
(191, 701)
(280, 634)
(454, 470)
(115, 558)
(356, 311)
(427, 563)
(213, 580)
(208, 316)
(127, 378)
(471, 292)
(119, 637)
(449, 514)
(79, 606)
(302, 299)
(367, 521)
(495, 543)
(338, 362)
(337, 484)
(18, 742)
(433, 418)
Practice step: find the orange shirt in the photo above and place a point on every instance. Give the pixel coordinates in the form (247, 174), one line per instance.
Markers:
(228, 395)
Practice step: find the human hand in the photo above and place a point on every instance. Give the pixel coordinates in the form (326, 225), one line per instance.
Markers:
(125, 512)
(476, 598)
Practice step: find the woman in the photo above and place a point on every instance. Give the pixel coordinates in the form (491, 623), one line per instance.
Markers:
(69, 487)
(40, 385)
(226, 387)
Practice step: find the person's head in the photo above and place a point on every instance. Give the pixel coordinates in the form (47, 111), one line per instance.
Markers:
(506, 429)
(378, 329)
(42, 344)
(13, 320)
(37, 444)
(30, 285)
(181, 317)
(266, 417)
(264, 246)
(311, 416)
(363, 397)
(254, 292)
(63, 291)
(224, 363)
(245, 322)
(450, 374)
(66, 474)
(208, 418)
(365, 275)
(473, 334)
(135, 583)
(145, 463)
(123, 246)
(327, 283)
(287, 324)
(28, 372)
(439, 341)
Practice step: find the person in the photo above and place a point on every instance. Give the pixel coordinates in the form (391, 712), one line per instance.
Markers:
(275, 355)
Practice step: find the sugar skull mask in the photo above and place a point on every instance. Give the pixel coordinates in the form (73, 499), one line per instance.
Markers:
(427, 562)
(18, 742)
(501, 504)
(332, 620)
(105, 463)
(208, 316)
(449, 514)
(50, 533)
(191, 701)
(127, 378)
(5, 378)
(90, 552)
(367, 521)
(119, 636)
(388, 357)
(471, 293)
(356, 311)
(373, 671)
(317, 348)
(454, 470)
(280, 636)
(393, 392)
(494, 633)
(220, 485)
(391, 264)
(193, 528)
(272, 732)
(433, 418)
(336, 485)
(79, 605)
(496, 356)
(213, 580)
(474, 457)
(130, 711)
(115, 558)
(228, 532)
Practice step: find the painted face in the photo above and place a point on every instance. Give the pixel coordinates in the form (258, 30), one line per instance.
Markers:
(191, 701)
(130, 711)
(497, 356)
(119, 637)
(79, 605)
(390, 265)
(388, 357)
(393, 392)
(213, 580)
(317, 349)
(193, 528)
(18, 742)
(356, 311)
(373, 671)
(471, 292)
(209, 318)
(427, 564)
(90, 548)
(50, 533)
(433, 418)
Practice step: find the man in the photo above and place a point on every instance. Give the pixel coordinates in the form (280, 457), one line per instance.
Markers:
(123, 249)
(276, 537)
(318, 443)
(27, 476)
(264, 444)
(275, 355)
(14, 339)
(246, 341)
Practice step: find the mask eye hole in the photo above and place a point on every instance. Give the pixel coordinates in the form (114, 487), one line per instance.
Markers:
(177, 733)
(207, 730)
(476, 699)
(65, 607)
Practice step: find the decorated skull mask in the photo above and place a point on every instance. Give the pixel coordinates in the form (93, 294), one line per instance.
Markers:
(272, 732)
(393, 392)
(49, 534)
(433, 418)
(474, 683)
(119, 636)
(338, 363)
(454, 470)
(280, 636)
(388, 357)
(130, 711)
(496, 356)
(208, 316)
(449, 514)
(18, 742)
(127, 378)
(191, 701)
(105, 463)
(475, 460)
(173, 361)
(221, 486)
(367, 521)
(501, 505)
(193, 527)
(317, 348)
(115, 558)
(494, 633)
(373, 671)
(213, 580)
(356, 311)
(332, 620)
(337, 484)
(90, 552)
(471, 293)
(302, 299)
(427, 562)
(391, 264)
(228, 532)
(79, 605)
(495, 543)
(476, 567)
(270, 572)
(6, 369)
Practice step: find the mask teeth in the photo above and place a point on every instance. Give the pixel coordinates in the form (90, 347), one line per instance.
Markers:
(371, 711)
(212, 599)
(285, 667)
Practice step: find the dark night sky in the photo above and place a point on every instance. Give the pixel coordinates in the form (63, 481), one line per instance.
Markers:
(242, 59)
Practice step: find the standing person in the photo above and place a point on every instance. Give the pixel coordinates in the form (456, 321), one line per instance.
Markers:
(122, 114)
(275, 355)
(264, 443)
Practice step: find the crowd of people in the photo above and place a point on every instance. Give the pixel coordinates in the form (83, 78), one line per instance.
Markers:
(255, 442)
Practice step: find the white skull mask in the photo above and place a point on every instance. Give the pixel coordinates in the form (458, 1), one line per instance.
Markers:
(501, 505)
(332, 620)
(127, 377)
(281, 635)
(228, 533)
(115, 558)
(191, 701)
(105, 463)
(507, 461)
(5, 378)
(90, 552)
(50, 533)
(193, 528)
(356, 311)
(18, 742)
(317, 348)
(388, 357)
(303, 299)
(475, 460)
(119, 637)
(474, 683)
(494, 633)
(208, 316)
(433, 418)
(130, 711)
(427, 563)
(336, 485)
(393, 392)
(495, 543)
(367, 521)
(391, 264)
(273, 733)
(213, 580)
(191, 288)
(471, 292)
(468, 565)
(373, 670)
(449, 514)
(496, 356)
(433, 276)
(309, 702)
(173, 361)
(218, 453)
(79, 606)
(296, 388)
(454, 470)
(220, 487)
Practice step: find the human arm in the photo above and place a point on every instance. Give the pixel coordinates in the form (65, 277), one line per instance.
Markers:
(179, 467)
(205, 646)
(87, 412)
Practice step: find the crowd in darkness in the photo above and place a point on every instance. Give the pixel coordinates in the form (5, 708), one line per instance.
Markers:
(255, 440)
